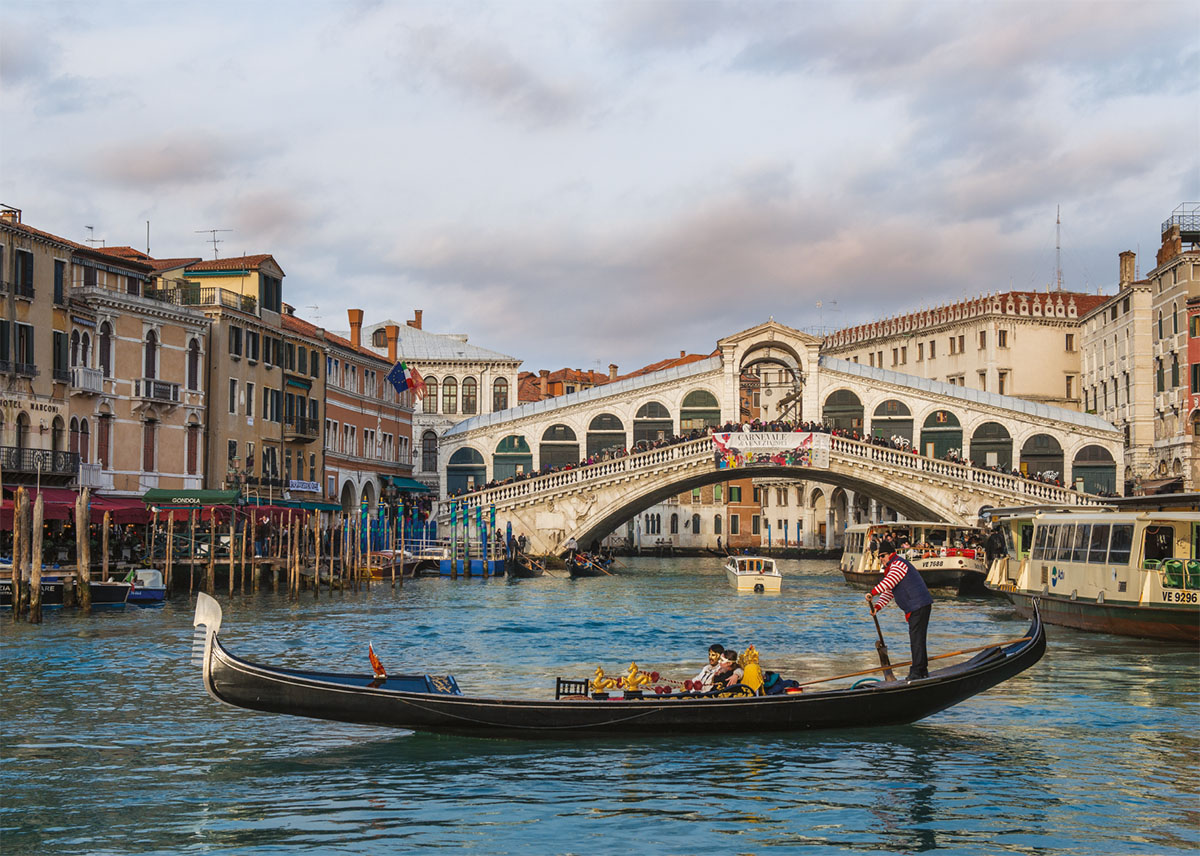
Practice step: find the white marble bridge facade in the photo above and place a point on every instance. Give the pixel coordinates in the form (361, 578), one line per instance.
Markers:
(794, 383)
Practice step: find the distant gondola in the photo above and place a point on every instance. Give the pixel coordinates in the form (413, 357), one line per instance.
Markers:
(523, 567)
(436, 704)
(583, 565)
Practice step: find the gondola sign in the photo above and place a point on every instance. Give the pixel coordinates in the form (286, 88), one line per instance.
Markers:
(735, 449)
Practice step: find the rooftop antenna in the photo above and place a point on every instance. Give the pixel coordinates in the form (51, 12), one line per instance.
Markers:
(1058, 248)
(215, 240)
(316, 311)
(93, 240)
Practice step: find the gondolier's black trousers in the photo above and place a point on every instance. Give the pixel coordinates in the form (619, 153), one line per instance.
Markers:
(918, 626)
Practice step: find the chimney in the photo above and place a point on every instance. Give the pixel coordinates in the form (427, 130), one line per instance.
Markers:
(9, 214)
(393, 336)
(612, 371)
(415, 323)
(544, 381)
(1127, 268)
(356, 316)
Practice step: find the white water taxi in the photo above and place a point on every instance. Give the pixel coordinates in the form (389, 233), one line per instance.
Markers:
(753, 573)
(947, 556)
(1129, 573)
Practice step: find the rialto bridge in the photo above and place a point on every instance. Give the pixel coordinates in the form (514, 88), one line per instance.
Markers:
(777, 372)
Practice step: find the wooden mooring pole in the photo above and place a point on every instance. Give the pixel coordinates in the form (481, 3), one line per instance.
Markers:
(83, 551)
(35, 568)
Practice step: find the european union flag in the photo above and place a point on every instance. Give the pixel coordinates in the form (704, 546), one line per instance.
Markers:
(398, 377)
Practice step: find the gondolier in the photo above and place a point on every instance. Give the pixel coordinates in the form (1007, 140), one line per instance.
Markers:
(902, 582)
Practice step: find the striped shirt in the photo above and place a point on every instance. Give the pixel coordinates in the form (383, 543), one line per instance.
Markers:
(893, 572)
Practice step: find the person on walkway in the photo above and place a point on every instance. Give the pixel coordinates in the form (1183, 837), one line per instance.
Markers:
(903, 582)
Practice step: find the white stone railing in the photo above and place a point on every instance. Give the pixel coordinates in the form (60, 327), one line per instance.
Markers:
(842, 449)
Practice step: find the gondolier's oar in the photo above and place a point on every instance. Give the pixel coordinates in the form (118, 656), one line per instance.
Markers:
(539, 565)
(884, 663)
(909, 662)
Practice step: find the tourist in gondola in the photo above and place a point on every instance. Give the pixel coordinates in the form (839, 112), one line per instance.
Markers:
(903, 582)
(728, 672)
(705, 675)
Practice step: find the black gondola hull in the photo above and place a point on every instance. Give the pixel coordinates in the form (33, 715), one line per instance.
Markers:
(367, 701)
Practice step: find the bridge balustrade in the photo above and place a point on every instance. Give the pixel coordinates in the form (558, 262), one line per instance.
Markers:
(841, 447)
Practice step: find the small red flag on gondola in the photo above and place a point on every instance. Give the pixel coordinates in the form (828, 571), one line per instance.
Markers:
(375, 664)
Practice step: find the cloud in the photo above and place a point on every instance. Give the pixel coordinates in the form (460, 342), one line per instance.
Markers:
(488, 73)
(170, 161)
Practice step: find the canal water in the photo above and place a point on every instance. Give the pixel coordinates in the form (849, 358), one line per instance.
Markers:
(110, 744)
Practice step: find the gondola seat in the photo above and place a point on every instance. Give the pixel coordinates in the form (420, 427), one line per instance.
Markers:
(564, 688)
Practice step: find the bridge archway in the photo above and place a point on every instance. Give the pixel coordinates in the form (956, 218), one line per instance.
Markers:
(843, 410)
(1095, 467)
(652, 422)
(466, 470)
(892, 418)
(771, 379)
(992, 446)
(1042, 453)
(605, 432)
(512, 457)
(700, 409)
(349, 498)
(559, 447)
(941, 432)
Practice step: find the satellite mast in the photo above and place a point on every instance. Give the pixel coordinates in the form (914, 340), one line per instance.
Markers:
(215, 240)
(1058, 247)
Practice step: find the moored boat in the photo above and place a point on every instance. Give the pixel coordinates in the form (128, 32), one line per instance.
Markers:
(524, 567)
(584, 565)
(148, 587)
(1123, 572)
(946, 556)
(753, 574)
(52, 589)
(437, 704)
(109, 592)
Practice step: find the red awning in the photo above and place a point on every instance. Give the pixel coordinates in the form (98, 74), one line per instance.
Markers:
(123, 509)
(57, 503)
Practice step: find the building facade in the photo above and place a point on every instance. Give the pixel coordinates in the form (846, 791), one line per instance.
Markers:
(368, 424)
(304, 358)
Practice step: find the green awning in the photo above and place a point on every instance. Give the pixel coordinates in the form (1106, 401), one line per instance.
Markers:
(193, 498)
(409, 485)
(300, 383)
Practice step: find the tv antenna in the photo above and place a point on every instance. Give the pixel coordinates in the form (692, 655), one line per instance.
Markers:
(1058, 247)
(215, 240)
(316, 311)
(91, 239)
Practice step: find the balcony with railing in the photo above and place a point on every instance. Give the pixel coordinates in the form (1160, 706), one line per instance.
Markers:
(301, 430)
(152, 389)
(23, 290)
(30, 462)
(86, 381)
(205, 295)
(62, 375)
(24, 369)
(93, 476)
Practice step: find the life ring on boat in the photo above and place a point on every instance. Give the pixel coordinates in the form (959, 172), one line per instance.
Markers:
(759, 587)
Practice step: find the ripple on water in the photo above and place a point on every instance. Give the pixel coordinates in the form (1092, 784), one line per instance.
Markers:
(110, 744)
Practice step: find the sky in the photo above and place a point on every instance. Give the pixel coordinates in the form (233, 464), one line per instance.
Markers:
(584, 183)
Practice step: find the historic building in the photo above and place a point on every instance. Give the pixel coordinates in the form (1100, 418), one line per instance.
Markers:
(1117, 367)
(35, 275)
(461, 380)
(368, 424)
(303, 408)
(1175, 280)
(1020, 343)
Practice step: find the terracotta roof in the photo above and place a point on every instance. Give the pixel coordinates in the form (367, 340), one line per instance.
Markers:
(529, 388)
(233, 263)
(38, 233)
(673, 362)
(346, 344)
(302, 327)
(159, 265)
(124, 253)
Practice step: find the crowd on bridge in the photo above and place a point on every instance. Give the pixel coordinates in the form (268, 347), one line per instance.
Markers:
(895, 442)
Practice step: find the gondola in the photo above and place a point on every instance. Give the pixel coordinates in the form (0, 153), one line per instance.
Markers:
(523, 567)
(582, 565)
(436, 704)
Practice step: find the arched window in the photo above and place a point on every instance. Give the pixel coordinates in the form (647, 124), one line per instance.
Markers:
(151, 361)
(85, 350)
(429, 450)
(699, 410)
(379, 338)
(85, 442)
(74, 442)
(74, 348)
(500, 395)
(58, 434)
(717, 524)
(193, 365)
(22, 437)
(470, 395)
(674, 524)
(695, 524)
(149, 430)
(106, 349)
(429, 405)
(449, 396)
